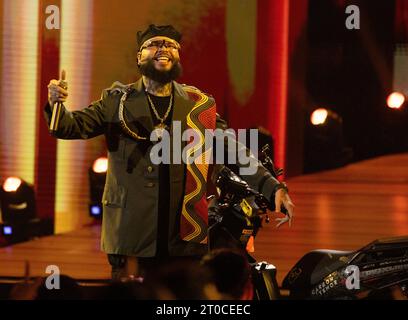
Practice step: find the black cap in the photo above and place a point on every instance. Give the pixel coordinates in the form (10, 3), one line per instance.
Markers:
(154, 31)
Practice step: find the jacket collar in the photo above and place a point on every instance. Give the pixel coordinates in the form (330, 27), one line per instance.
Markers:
(137, 106)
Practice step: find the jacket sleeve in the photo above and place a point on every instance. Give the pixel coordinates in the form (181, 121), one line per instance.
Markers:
(260, 178)
(82, 124)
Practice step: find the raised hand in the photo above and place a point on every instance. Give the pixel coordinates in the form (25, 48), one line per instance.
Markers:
(58, 90)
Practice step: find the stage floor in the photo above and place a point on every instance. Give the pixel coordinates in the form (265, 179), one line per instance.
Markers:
(342, 209)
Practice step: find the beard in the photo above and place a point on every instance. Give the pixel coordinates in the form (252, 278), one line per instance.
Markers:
(148, 70)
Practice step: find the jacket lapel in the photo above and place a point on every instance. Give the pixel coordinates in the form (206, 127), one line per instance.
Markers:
(137, 107)
(182, 105)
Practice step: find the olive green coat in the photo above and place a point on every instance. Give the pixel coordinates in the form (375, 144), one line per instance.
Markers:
(130, 199)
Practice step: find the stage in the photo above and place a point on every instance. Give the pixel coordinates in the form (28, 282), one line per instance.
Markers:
(342, 209)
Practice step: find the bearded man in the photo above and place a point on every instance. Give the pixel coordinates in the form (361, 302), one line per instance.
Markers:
(155, 212)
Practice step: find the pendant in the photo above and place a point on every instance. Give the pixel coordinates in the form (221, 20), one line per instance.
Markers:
(159, 130)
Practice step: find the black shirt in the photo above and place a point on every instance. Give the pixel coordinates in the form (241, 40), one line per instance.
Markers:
(161, 104)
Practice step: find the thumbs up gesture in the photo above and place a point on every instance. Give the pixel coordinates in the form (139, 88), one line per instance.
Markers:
(58, 90)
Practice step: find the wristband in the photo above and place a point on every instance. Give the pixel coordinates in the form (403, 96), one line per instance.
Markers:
(281, 185)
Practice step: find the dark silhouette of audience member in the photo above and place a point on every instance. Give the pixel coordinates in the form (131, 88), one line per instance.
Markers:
(132, 290)
(36, 289)
(231, 272)
(396, 292)
(69, 289)
(186, 280)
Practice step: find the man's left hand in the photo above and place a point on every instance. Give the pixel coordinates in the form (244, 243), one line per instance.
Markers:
(282, 198)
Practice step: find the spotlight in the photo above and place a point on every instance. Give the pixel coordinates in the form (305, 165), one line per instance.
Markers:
(322, 116)
(12, 184)
(95, 210)
(18, 212)
(7, 230)
(324, 142)
(97, 177)
(100, 165)
(395, 100)
(319, 116)
(17, 200)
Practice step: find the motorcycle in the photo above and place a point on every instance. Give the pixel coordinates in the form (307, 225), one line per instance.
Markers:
(372, 272)
(237, 213)
(235, 216)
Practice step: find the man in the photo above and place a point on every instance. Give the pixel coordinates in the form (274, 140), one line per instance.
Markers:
(152, 211)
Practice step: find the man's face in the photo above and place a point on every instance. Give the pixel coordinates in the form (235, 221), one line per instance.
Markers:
(162, 52)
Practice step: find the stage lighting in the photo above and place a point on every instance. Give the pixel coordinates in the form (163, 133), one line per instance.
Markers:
(7, 230)
(319, 116)
(100, 165)
(95, 210)
(97, 177)
(324, 142)
(18, 212)
(17, 201)
(11, 184)
(395, 100)
(322, 116)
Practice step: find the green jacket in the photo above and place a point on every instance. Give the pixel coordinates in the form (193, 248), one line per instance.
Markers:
(130, 199)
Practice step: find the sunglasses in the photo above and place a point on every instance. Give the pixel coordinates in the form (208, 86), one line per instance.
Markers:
(156, 44)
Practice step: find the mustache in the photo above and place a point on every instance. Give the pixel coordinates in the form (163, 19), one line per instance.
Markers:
(149, 70)
(163, 54)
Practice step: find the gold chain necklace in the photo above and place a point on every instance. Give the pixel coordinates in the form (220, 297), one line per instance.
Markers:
(161, 127)
(155, 110)
(158, 129)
